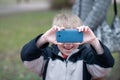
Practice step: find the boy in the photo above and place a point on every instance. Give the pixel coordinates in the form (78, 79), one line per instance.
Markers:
(87, 60)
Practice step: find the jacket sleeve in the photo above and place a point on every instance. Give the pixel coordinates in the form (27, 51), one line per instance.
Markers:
(34, 57)
(100, 65)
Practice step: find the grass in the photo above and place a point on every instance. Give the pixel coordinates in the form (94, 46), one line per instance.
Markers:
(15, 31)
(18, 29)
(6, 2)
(110, 15)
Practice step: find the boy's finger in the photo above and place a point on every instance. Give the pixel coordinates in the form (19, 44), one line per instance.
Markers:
(54, 42)
(78, 28)
(62, 28)
(86, 28)
(59, 43)
(55, 28)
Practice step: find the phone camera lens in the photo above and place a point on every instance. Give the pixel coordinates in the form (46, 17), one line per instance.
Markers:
(59, 35)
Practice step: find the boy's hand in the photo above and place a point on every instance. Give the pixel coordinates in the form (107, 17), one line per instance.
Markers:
(89, 36)
(50, 35)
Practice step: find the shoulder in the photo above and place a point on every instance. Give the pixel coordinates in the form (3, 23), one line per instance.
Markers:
(86, 52)
(85, 48)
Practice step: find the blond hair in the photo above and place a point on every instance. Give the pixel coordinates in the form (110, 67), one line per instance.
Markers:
(67, 20)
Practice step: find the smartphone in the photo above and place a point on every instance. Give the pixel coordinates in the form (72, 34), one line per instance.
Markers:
(69, 36)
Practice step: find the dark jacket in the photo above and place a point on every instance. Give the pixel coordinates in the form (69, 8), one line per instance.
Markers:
(82, 64)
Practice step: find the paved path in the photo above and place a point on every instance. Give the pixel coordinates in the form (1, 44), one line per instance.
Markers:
(23, 7)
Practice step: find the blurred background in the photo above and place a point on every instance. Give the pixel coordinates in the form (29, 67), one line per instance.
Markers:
(21, 21)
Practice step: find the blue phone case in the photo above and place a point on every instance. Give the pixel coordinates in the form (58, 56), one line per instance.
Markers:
(69, 35)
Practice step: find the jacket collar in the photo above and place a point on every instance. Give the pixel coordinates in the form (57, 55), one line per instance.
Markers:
(76, 54)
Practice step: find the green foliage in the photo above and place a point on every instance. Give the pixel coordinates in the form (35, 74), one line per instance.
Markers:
(6, 2)
(110, 14)
(15, 30)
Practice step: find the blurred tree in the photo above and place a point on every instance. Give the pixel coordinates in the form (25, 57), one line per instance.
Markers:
(93, 13)
(27, 1)
(59, 4)
(18, 1)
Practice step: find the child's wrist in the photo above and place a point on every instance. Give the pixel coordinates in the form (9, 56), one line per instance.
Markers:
(96, 44)
(93, 41)
(42, 40)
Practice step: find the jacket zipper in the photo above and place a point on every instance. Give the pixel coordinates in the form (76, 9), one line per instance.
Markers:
(66, 63)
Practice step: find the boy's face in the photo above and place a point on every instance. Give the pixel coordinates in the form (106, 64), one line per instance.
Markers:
(67, 48)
